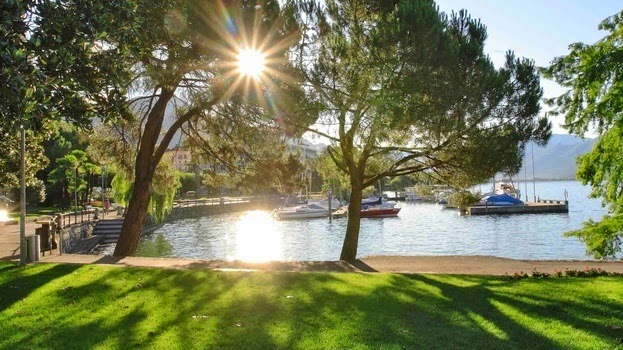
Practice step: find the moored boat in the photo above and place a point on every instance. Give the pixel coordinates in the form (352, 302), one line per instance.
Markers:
(378, 209)
(310, 211)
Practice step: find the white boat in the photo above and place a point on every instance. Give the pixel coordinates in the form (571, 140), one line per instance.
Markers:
(309, 211)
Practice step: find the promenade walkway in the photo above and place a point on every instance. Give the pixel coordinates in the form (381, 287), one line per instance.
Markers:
(9, 239)
(472, 265)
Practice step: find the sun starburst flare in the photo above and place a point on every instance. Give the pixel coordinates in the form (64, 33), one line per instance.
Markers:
(253, 58)
(251, 62)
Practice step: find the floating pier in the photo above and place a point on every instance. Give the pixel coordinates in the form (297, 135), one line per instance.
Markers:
(541, 206)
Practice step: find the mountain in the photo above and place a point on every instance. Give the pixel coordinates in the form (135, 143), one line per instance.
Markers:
(556, 160)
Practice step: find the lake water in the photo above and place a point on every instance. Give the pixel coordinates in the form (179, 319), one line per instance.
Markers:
(420, 229)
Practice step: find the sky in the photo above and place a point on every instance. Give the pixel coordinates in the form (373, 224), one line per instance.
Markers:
(540, 30)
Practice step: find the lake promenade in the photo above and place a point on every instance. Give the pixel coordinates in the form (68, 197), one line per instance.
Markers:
(452, 264)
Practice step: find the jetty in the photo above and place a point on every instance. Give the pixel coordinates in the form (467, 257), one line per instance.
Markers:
(541, 206)
(341, 212)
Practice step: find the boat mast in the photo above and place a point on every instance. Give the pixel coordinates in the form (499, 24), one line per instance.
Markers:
(533, 180)
(525, 174)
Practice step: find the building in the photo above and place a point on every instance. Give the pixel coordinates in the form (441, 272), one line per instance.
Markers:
(181, 159)
(304, 148)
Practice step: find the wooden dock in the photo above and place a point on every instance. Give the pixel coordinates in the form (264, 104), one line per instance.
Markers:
(539, 207)
(341, 212)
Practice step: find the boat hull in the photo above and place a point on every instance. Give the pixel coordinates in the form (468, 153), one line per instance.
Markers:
(301, 215)
(380, 213)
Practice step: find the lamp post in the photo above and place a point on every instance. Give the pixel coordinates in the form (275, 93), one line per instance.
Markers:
(22, 186)
(76, 195)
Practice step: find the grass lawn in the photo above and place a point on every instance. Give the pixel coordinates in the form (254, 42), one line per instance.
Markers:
(32, 214)
(47, 306)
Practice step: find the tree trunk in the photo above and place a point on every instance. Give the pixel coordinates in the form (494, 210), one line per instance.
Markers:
(351, 240)
(146, 164)
(134, 217)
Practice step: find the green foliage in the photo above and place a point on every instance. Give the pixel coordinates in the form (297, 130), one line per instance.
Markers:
(334, 178)
(72, 173)
(244, 151)
(165, 185)
(399, 183)
(424, 190)
(594, 98)
(35, 193)
(44, 79)
(587, 272)
(463, 199)
(122, 188)
(603, 238)
(187, 182)
(11, 154)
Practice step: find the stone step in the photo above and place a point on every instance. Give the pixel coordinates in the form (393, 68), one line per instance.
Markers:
(110, 239)
(98, 232)
(108, 226)
(110, 223)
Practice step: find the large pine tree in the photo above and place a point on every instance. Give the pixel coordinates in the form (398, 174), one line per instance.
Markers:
(410, 90)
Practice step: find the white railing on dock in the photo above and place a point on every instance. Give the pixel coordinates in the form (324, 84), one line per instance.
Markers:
(551, 201)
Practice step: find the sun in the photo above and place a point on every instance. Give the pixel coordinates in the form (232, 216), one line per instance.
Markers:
(251, 62)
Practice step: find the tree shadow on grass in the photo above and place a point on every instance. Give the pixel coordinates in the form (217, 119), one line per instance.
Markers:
(18, 282)
(127, 308)
(490, 302)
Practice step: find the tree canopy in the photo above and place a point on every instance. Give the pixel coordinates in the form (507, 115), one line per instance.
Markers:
(594, 101)
(408, 89)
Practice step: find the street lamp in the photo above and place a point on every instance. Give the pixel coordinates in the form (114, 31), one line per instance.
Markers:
(22, 187)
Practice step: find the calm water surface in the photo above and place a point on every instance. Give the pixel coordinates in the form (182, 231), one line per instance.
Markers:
(420, 229)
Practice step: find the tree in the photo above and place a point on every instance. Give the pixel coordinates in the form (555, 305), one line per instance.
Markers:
(410, 90)
(74, 173)
(63, 139)
(23, 94)
(594, 98)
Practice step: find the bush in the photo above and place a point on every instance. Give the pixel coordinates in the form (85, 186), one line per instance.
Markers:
(587, 272)
(463, 199)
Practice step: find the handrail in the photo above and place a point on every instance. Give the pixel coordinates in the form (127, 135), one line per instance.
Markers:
(79, 217)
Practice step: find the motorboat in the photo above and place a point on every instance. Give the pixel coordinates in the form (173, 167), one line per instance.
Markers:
(502, 187)
(377, 208)
(309, 211)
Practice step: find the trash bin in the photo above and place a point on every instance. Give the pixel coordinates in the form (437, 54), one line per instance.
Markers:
(32, 248)
(120, 210)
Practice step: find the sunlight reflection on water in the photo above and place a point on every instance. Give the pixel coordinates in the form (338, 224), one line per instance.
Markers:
(257, 238)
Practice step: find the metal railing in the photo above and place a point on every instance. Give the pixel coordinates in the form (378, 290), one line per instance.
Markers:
(75, 217)
(210, 201)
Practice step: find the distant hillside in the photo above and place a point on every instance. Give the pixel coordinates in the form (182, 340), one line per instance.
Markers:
(557, 160)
